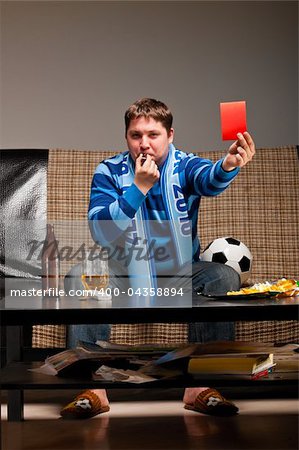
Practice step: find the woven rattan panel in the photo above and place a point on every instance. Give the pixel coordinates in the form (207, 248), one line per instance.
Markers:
(260, 209)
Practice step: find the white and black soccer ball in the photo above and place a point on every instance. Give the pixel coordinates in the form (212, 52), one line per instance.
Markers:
(230, 251)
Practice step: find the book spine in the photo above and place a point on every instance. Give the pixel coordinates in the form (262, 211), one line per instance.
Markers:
(262, 373)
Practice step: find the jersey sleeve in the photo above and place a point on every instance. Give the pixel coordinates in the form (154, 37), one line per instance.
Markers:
(111, 209)
(205, 178)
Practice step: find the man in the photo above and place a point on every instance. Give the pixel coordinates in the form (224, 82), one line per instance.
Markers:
(143, 182)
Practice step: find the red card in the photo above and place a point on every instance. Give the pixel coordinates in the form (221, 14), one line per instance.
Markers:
(233, 119)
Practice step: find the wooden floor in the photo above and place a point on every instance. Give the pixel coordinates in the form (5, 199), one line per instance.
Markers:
(262, 424)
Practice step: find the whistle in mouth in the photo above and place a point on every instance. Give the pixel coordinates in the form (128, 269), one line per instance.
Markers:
(143, 159)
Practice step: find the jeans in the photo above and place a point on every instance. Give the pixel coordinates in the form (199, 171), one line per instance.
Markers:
(214, 279)
(208, 278)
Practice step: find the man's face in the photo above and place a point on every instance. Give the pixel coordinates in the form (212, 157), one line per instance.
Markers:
(146, 135)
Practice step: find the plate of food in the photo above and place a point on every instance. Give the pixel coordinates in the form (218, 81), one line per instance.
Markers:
(279, 288)
(253, 296)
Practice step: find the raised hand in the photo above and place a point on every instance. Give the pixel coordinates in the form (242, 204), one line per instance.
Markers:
(240, 152)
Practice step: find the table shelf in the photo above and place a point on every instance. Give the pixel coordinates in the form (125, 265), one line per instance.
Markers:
(17, 376)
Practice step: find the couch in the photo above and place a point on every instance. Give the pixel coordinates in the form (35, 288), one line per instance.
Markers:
(260, 208)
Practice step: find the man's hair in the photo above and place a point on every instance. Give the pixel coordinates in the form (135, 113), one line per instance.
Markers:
(149, 108)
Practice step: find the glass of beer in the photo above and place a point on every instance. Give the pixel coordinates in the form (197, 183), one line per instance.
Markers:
(95, 275)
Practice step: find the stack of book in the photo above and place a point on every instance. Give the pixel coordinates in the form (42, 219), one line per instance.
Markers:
(213, 359)
(255, 365)
(227, 359)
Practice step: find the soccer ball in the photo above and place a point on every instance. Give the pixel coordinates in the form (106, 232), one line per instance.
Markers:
(232, 252)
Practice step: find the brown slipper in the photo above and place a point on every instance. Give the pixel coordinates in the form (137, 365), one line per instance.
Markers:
(213, 403)
(84, 406)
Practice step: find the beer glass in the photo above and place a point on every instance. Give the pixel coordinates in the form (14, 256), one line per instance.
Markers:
(95, 274)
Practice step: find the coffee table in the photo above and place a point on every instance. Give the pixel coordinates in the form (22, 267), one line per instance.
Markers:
(15, 312)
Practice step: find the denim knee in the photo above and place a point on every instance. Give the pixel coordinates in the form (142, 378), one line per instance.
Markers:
(214, 278)
(230, 279)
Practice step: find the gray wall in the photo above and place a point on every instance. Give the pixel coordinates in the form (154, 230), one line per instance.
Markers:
(70, 69)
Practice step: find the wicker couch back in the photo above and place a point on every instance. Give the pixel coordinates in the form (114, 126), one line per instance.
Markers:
(260, 208)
